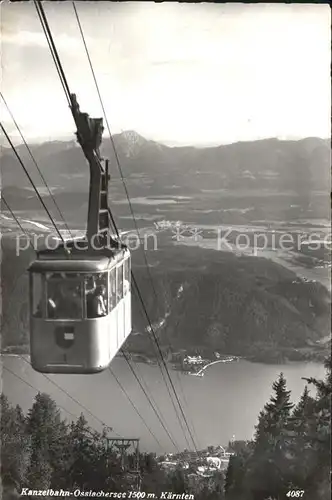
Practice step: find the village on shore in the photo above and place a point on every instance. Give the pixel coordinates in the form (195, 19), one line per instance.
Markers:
(189, 364)
(204, 463)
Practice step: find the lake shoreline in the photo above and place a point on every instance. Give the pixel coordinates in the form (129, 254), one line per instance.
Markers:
(222, 395)
(273, 358)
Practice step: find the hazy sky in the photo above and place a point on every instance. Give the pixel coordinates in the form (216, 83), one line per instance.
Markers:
(178, 73)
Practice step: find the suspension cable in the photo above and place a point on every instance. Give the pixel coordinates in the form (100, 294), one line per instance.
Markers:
(63, 79)
(38, 391)
(35, 162)
(69, 396)
(132, 212)
(164, 363)
(63, 390)
(3, 200)
(57, 62)
(35, 389)
(113, 145)
(133, 405)
(7, 318)
(141, 380)
(26, 361)
(31, 181)
(149, 399)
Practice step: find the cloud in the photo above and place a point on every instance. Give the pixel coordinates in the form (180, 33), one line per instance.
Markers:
(176, 71)
(25, 39)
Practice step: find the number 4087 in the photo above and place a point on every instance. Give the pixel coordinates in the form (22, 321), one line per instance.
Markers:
(295, 493)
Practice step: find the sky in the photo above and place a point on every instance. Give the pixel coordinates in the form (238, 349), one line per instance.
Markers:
(175, 73)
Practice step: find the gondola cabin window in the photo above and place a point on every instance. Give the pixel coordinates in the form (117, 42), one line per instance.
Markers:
(126, 281)
(112, 289)
(96, 295)
(64, 296)
(36, 300)
(119, 282)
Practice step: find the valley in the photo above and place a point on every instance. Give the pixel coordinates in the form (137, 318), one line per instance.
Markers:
(268, 303)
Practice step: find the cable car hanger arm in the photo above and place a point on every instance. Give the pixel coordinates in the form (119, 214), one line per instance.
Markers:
(89, 130)
(89, 136)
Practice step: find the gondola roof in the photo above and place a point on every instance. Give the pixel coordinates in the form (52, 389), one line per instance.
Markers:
(75, 257)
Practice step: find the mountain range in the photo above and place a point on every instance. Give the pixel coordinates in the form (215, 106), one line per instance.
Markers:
(299, 165)
(267, 179)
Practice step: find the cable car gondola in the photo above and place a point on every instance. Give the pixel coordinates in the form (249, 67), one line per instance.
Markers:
(80, 297)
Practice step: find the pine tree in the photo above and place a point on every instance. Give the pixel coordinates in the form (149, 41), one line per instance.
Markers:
(229, 479)
(303, 405)
(302, 416)
(15, 449)
(235, 482)
(178, 482)
(91, 464)
(46, 431)
(153, 476)
(319, 437)
(215, 487)
(80, 459)
(322, 408)
(300, 426)
(261, 430)
(268, 472)
(274, 417)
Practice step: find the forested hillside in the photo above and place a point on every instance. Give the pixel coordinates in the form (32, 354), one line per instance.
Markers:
(206, 300)
(290, 452)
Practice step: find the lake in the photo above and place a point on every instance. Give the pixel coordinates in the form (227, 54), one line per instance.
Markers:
(223, 403)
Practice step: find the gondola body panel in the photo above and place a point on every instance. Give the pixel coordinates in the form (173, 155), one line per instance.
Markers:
(73, 346)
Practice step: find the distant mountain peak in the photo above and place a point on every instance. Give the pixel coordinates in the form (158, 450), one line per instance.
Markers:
(133, 137)
(133, 141)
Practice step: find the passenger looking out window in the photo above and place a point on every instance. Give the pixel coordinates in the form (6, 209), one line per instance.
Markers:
(126, 280)
(119, 284)
(37, 295)
(99, 301)
(96, 302)
(64, 297)
(96, 295)
(51, 308)
(112, 289)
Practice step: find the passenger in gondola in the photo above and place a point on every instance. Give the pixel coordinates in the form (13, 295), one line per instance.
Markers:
(90, 290)
(96, 303)
(76, 303)
(64, 303)
(99, 301)
(51, 308)
(56, 302)
(90, 285)
(126, 286)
